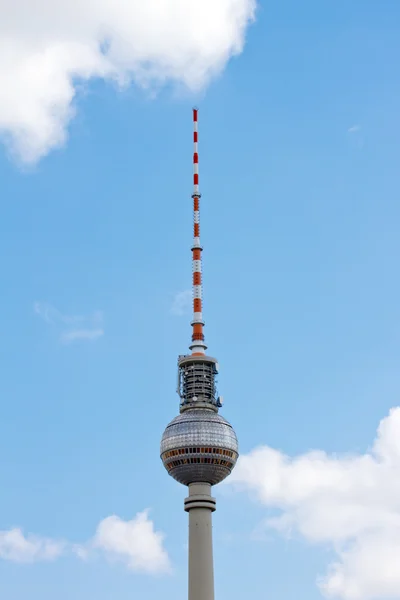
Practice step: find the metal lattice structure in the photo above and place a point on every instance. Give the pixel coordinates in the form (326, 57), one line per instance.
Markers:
(197, 380)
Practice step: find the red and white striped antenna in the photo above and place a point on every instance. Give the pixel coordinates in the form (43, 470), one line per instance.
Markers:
(198, 347)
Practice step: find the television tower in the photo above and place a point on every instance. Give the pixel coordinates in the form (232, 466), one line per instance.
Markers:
(199, 447)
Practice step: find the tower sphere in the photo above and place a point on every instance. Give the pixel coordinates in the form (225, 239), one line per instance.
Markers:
(199, 445)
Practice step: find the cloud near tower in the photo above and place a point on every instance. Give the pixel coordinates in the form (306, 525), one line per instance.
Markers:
(42, 61)
(351, 502)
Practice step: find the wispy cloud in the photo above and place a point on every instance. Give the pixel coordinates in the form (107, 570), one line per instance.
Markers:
(354, 129)
(135, 543)
(356, 135)
(71, 328)
(81, 334)
(181, 303)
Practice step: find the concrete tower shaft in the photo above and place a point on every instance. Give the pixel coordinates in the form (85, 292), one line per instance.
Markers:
(200, 505)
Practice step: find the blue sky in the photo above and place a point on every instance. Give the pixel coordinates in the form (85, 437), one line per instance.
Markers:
(299, 146)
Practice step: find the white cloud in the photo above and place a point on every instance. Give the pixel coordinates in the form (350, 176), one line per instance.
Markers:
(182, 303)
(136, 543)
(48, 46)
(15, 547)
(351, 502)
(354, 129)
(71, 327)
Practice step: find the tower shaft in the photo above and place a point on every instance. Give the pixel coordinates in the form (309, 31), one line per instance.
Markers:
(200, 506)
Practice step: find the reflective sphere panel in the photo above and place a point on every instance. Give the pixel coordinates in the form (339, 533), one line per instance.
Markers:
(199, 446)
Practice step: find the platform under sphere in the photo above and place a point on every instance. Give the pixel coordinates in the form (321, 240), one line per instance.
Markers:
(199, 446)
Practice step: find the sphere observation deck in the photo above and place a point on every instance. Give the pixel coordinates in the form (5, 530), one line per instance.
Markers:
(199, 445)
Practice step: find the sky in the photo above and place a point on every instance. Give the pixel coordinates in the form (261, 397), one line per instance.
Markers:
(299, 144)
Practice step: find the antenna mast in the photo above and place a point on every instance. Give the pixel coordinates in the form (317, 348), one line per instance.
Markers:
(198, 347)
